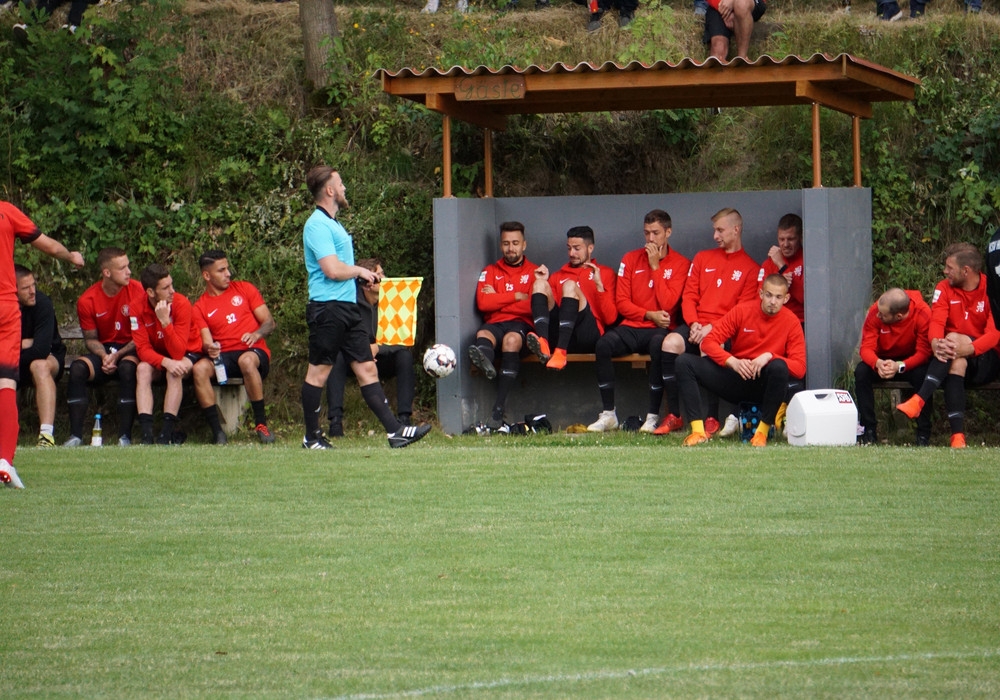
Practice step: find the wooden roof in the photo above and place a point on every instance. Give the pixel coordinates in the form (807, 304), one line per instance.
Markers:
(486, 96)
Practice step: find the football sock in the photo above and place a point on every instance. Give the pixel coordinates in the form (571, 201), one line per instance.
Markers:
(259, 413)
(510, 364)
(76, 396)
(126, 397)
(375, 398)
(698, 426)
(569, 309)
(311, 398)
(46, 429)
(668, 370)
(9, 427)
(406, 382)
(146, 426)
(540, 314)
(211, 414)
(954, 402)
(169, 425)
(605, 375)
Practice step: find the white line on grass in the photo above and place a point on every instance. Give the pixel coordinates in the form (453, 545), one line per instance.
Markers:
(632, 673)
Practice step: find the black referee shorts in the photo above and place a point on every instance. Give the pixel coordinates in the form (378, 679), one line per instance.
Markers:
(336, 327)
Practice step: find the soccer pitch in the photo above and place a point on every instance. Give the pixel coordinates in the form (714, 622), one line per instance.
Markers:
(553, 567)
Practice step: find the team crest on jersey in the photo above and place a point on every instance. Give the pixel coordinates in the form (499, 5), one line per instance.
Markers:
(524, 279)
(980, 307)
(798, 271)
(737, 274)
(668, 274)
(237, 300)
(124, 309)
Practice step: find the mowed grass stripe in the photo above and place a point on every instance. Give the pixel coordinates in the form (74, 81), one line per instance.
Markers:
(252, 571)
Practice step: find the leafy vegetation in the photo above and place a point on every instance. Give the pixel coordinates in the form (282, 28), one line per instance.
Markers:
(168, 127)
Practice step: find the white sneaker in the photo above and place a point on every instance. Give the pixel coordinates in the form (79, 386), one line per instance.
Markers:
(431, 6)
(8, 475)
(650, 424)
(462, 6)
(608, 420)
(73, 441)
(731, 427)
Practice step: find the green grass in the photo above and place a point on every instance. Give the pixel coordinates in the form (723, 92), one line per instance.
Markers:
(533, 567)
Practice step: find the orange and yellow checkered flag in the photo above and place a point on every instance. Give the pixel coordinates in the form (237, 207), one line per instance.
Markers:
(397, 310)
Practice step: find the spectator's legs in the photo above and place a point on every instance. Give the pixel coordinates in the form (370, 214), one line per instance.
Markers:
(656, 383)
(43, 374)
(144, 400)
(954, 402)
(864, 392)
(406, 383)
(76, 395)
(126, 397)
(673, 346)
(510, 365)
(606, 348)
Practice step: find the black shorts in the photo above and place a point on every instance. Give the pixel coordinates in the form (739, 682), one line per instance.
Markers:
(499, 330)
(336, 327)
(714, 26)
(982, 369)
(585, 333)
(231, 360)
(60, 356)
(95, 360)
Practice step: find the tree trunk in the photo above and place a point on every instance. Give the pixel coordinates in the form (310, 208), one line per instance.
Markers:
(319, 36)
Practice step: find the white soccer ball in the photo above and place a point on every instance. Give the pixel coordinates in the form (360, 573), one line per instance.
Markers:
(440, 361)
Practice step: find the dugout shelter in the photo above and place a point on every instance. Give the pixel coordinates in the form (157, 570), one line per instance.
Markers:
(836, 221)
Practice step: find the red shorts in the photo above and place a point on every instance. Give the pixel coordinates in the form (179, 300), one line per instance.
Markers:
(10, 340)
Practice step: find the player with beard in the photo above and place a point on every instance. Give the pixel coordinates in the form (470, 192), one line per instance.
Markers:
(767, 347)
(786, 259)
(578, 300)
(503, 297)
(648, 297)
(334, 317)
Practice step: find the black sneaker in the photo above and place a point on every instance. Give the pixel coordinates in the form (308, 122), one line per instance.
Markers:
(162, 439)
(220, 438)
(407, 435)
(147, 438)
(495, 423)
(479, 359)
(336, 429)
(625, 19)
(595, 22)
(318, 442)
(923, 440)
(542, 4)
(869, 437)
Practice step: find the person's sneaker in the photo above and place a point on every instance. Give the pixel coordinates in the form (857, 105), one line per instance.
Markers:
(958, 441)
(539, 347)
(608, 420)
(624, 20)
(649, 426)
(669, 422)
(8, 475)
(317, 442)
(730, 427)
(712, 425)
(759, 440)
(595, 22)
(263, 434)
(462, 6)
(20, 32)
(431, 7)
(336, 429)
(46, 440)
(161, 439)
(923, 440)
(495, 423)
(479, 359)
(694, 439)
(147, 439)
(220, 438)
(178, 437)
(868, 437)
(73, 441)
(558, 360)
(407, 435)
(124, 441)
(912, 407)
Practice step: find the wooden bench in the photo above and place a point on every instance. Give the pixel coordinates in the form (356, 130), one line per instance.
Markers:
(230, 398)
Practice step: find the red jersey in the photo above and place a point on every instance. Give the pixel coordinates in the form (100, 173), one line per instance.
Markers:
(905, 341)
(154, 343)
(229, 316)
(114, 318)
(602, 305)
(14, 225)
(796, 290)
(753, 333)
(716, 283)
(641, 289)
(506, 280)
(954, 310)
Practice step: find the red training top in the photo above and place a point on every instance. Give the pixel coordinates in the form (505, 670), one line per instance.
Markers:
(506, 280)
(154, 343)
(796, 290)
(954, 310)
(641, 289)
(716, 282)
(602, 305)
(229, 316)
(14, 224)
(905, 341)
(114, 318)
(753, 333)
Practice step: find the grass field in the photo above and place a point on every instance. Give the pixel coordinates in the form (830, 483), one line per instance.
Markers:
(516, 567)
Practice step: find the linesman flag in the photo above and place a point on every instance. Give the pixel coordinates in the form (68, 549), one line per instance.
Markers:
(397, 310)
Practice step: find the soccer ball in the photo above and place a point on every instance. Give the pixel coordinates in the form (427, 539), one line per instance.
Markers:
(440, 361)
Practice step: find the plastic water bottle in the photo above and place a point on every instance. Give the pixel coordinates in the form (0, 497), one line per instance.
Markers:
(96, 440)
(220, 371)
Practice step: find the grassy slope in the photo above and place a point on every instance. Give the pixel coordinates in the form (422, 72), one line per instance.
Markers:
(533, 570)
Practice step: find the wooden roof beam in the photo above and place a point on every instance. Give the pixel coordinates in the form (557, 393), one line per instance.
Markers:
(811, 92)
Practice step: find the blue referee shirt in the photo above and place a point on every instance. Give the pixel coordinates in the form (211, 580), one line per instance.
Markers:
(323, 236)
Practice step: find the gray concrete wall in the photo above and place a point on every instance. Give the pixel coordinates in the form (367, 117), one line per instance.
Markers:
(466, 238)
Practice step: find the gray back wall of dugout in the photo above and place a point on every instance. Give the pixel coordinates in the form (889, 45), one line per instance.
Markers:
(837, 242)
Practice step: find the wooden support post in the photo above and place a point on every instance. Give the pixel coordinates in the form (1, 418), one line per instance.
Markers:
(856, 139)
(488, 162)
(817, 165)
(446, 153)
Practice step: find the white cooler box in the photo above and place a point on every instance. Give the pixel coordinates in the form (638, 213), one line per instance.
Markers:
(822, 417)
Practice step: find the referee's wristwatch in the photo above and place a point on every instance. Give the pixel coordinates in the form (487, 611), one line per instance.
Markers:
(902, 367)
